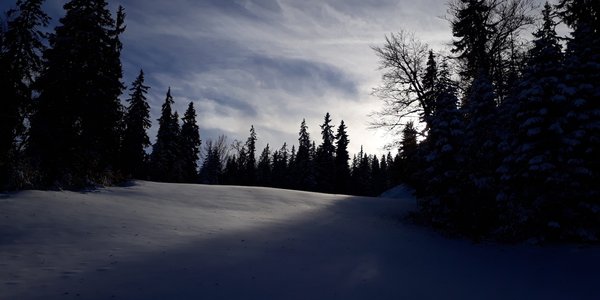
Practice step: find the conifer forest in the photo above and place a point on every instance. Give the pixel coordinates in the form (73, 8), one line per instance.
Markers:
(498, 135)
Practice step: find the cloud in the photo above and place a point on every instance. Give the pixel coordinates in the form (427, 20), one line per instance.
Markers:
(269, 63)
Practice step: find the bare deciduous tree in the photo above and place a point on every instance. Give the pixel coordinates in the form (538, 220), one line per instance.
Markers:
(402, 58)
(219, 146)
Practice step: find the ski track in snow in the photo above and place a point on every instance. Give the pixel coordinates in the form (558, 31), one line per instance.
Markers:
(177, 241)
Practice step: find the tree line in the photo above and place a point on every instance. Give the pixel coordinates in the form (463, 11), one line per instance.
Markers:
(326, 168)
(64, 126)
(323, 168)
(509, 147)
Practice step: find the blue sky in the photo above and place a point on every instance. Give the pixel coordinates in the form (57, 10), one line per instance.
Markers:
(268, 63)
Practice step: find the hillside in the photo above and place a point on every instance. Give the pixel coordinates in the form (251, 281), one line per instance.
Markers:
(174, 241)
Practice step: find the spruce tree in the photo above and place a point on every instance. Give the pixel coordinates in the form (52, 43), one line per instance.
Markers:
(241, 178)
(396, 171)
(21, 46)
(231, 171)
(582, 89)
(324, 160)
(291, 181)
(428, 81)
(264, 168)
(281, 167)
(135, 137)
(102, 111)
(212, 167)
(364, 178)
(535, 171)
(478, 147)
(377, 177)
(276, 160)
(165, 158)
(385, 183)
(407, 166)
(303, 175)
(189, 144)
(76, 132)
(341, 168)
(472, 31)
(250, 162)
(361, 174)
(487, 38)
(442, 156)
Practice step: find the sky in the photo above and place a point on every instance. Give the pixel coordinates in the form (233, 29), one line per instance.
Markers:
(268, 63)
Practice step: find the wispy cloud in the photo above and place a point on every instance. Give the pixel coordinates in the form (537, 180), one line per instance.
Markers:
(269, 63)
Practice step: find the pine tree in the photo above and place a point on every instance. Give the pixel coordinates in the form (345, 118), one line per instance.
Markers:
(341, 168)
(396, 171)
(212, 167)
(281, 167)
(264, 168)
(231, 171)
(364, 178)
(442, 159)
(385, 183)
(324, 160)
(76, 132)
(582, 89)
(303, 142)
(250, 161)
(189, 145)
(361, 174)
(377, 177)
(581, 15)
(102, 112)
(165, 157)
(535, 170)
(408, 163)
(478, 147)
(20, 62)
(291, 181)
(135, 138)
(303, 175)
(312, 178)
(276, 160)
(2, 32)
(473, 32)
(354, 180)
(428, 81)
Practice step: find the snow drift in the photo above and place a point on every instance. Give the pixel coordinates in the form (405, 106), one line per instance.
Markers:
(176, 241)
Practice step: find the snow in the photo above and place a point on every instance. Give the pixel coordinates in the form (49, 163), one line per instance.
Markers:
(175, 241)
(531, 121)
(559, 98)
(579, 102)
(399, 192)
(534, 131)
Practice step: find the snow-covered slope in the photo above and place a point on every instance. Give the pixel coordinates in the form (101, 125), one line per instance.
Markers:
(170, 241)
(399, 192)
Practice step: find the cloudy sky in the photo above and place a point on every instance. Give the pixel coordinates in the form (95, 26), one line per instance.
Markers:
(269, 63)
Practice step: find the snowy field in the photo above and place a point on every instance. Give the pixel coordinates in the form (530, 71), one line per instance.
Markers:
(173, 241)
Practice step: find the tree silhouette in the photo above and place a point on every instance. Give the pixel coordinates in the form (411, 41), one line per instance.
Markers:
(341, 168)
(189, 145)
(135, 138)
(20, 62)
(324, 160)
(76, 132)
(165, 157)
